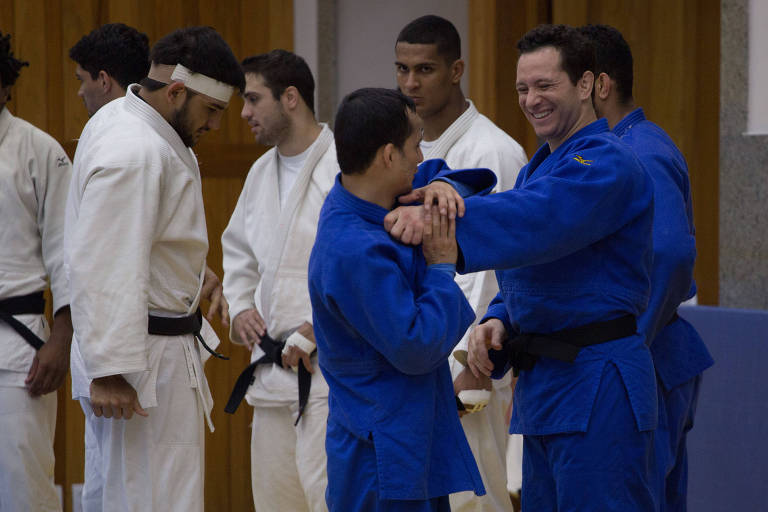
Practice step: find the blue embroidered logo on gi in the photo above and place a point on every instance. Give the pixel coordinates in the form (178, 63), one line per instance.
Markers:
(61, 161)
(582, 161)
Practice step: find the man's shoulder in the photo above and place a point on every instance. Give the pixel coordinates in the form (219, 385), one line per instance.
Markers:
(599, 150)
(484, 135)
(35, 136)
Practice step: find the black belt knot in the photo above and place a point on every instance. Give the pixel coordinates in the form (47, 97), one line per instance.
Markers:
(273, 354)
(526, 348)
(32, 304)
(178, 326)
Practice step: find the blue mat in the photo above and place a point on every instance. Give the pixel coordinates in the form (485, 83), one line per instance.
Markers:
(728, 446)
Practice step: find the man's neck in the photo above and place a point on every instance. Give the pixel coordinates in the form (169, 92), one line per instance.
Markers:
(618, 111)
(436, 124)
(154, 100)
(362, 186)
(586, 117)
(304, 132)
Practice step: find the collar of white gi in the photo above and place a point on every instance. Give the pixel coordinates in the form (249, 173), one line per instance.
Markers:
(167, 73)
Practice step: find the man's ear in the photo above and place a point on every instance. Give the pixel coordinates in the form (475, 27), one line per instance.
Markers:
(105, 81)
(457, 71)
(585, 85)
(290, 98)
(387, 154)
(603, 86)
(176, 94)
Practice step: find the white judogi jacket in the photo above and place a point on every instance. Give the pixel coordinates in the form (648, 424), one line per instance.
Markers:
(135, 243)
(266, 253)
(34, 179)
(472, 140)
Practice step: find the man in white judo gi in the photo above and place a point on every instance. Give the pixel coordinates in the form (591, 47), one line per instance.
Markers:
(429, 68)
(34, 175)
(109, 59)
(135, 249)
(266, 250)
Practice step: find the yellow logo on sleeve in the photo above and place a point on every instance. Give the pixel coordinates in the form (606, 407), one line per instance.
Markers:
(582, 161)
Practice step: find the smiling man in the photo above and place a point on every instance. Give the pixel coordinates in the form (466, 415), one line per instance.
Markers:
(428, 69)
(135, 252)
(266, 250)
(576, 263)
(109, 59)
(572, 247)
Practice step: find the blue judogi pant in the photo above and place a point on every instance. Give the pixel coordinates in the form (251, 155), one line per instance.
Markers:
(606, 468)
(356, 486)
(678, 408)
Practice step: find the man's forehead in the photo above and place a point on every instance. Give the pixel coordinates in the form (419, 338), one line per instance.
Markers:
(253, 81)
(542, 61)
(416, 52)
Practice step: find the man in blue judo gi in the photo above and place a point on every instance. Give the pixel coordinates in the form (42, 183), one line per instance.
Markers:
(572, 247)
(386, 317)
(679, 354)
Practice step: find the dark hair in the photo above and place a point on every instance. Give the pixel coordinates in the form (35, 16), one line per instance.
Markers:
(9, 65)
(201, 50)
(280, 70)
(368, 119)
(577, 54)
(432, 29)
(612, 57)
(120, 50)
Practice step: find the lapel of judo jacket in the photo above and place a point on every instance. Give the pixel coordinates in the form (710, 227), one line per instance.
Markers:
(5, 122)
(152, 117)
(288, 216)
(459, 127)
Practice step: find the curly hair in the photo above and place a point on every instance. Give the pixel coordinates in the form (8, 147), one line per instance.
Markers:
(9, 65)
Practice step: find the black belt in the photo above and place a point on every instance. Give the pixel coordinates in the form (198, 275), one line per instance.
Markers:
(32, 304)
(178, 326)
(273, 351)
(525, 349)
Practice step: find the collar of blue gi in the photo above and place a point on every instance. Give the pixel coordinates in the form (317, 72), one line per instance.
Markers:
(367, 210)
(631, 119)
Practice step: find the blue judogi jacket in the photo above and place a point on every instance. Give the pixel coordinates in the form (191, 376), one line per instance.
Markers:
(572, 245)
(679, 354)
(385, 324)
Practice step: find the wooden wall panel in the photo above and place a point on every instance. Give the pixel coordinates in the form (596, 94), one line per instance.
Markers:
(46, 95)
(675, 46)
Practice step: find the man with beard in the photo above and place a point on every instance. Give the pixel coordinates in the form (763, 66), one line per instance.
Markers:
(109, 59)
(429, 68)
(679, 354)
(135, 249)
(266, 250)
(34, 174)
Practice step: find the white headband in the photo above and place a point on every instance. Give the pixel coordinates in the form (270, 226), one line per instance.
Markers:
(166, 73)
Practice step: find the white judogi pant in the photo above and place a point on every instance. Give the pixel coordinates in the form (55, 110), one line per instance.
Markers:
(298, 486)
(489, 430)
(154, 463)
(27, 427)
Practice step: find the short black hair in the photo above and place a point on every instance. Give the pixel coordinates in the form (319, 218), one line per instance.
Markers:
(9, 65)
(612, 57)
(577, 54)
(280, 70)
(366, 120)
(201, 50)
(120, 50)
(433, 29)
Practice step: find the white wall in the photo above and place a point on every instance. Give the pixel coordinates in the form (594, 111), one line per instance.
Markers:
(366, 34)
(757, 112)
